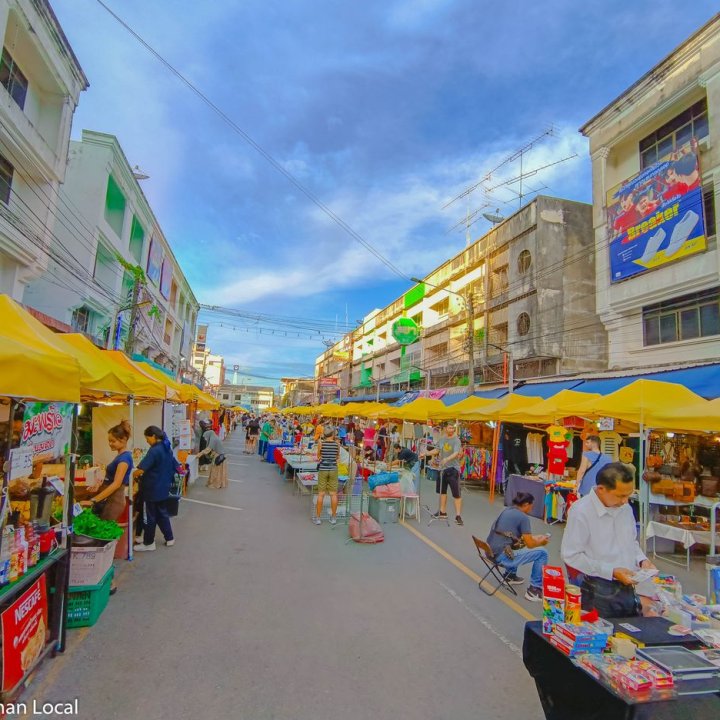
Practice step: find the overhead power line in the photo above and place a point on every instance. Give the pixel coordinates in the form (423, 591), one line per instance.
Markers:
(259, 148)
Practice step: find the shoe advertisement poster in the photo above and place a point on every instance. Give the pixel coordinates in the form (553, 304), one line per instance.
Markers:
(657, 216)
(24, 633)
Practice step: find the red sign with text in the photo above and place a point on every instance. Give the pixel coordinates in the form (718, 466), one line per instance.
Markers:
(24, 633)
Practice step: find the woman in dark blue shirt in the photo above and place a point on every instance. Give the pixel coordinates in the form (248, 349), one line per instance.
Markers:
(110, 500)
(157, 470)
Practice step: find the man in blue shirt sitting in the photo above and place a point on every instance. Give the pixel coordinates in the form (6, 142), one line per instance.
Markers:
(512, 527)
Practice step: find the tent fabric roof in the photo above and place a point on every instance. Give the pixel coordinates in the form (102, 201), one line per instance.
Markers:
(33, 364)
(546, 390)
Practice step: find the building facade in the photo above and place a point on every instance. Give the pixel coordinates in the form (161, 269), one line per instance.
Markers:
(297, 391)
(255, 397)
(521, 297)
(656, 174)
(137, 297)
(40, 84)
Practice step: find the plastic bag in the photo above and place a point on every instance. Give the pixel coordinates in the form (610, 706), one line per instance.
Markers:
(371, 530)
(383, 478)
(391, 490)
(407, 482)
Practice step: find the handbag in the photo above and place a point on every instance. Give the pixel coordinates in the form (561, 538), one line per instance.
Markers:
(219, 459)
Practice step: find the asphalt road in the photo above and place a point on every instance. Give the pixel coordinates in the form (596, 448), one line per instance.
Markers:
(258, 614)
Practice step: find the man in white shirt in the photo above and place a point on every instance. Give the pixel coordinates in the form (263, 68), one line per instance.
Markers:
(600, 541)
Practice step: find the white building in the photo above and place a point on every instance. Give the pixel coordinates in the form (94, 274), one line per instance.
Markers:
(114, 231)
(40, 83)
(660, 300)
(256, 397)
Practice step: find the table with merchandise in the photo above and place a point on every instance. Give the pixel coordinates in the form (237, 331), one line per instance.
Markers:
(671, 676)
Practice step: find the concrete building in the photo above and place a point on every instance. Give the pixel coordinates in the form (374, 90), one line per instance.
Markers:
(211, 367)
(114, 234)
(297, 391)
(257, 398)
(529, 285)
(660, 299)
(40, 83)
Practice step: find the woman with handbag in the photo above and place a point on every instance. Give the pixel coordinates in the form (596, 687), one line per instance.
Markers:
(109, 502)
(218, 478)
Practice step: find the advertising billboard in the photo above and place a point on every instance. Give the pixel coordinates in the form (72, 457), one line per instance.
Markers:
(657, 216)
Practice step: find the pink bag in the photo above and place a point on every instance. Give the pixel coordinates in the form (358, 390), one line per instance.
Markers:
(371, 530)
(391, 490)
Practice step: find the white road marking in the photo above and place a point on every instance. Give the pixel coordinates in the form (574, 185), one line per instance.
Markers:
(231, 480)
(483, 621)
(202, 502)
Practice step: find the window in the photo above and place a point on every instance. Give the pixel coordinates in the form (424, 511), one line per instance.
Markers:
(12, 79)
(442, 308)
(137, 239)
(81, 319)
(709, 204)
(524, 261)
(523, 324)
(105, 267)
(674, 134)
(418, 319)
(499, 334)
(684, 318)
(226, 396)
(6, 178)
(114, 206)
(499, 280)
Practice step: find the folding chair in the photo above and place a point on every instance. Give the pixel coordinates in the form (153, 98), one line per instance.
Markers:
(494, 568)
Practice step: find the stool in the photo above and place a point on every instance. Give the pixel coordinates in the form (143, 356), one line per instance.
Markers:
(410, 496)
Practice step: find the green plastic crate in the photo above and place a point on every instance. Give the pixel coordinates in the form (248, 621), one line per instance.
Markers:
(87, 602)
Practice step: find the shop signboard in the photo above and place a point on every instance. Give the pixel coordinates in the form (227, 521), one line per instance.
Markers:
(328, 382)
(657, 216)
(24, 633)
(201, 338)
(405, 331)
(155, 261)
(47, 428)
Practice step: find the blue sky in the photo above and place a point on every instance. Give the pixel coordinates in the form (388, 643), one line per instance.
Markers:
(383, 109)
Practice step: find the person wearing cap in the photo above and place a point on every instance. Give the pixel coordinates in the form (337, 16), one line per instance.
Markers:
(328, 453)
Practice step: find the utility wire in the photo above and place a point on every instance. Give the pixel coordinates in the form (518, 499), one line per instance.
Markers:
(257, 147)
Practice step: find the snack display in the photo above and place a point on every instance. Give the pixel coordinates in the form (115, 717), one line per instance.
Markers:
(553, 598)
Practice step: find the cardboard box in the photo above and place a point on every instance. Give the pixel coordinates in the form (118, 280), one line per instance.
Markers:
(553, 598)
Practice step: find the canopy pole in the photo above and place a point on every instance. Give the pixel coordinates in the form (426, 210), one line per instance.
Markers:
(130, 528)
(493, 464)
(644, 489)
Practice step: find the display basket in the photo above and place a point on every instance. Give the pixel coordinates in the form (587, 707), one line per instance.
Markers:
(86, 603)
(88, 565)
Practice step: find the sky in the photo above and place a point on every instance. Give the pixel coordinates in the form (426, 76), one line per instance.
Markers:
(383, 111)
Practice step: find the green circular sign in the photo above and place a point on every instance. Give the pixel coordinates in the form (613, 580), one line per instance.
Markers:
(405, 331)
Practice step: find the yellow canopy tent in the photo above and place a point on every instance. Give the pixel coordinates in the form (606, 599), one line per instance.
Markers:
(100, 376)
(332, 410)
(190, 393)
(273, 409)
(31, 363)
(142, 385)
(452, 412)
(358, 408)
(374, 410)
(304, 410)
(702, 416)
(560, 405)
(646, 402)
(498, 409)
(419, 410)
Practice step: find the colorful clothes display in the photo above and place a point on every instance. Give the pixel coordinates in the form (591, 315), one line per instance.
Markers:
(474, 463)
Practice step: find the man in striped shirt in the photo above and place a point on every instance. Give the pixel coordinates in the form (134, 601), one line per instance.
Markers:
(327, 454)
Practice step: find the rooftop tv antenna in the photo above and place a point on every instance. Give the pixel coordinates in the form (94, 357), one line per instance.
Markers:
(520, 179)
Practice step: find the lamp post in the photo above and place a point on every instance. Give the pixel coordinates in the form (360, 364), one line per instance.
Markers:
(470, 312)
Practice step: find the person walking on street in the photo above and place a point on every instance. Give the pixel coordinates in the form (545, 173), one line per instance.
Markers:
(157, 470)
(327, 482)
(251, 436)
(266, 432)
(218, 478)
(593, 461)
(449, 450)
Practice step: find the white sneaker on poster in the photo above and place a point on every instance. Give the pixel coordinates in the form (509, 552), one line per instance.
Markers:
(653, 244)
(681, 232)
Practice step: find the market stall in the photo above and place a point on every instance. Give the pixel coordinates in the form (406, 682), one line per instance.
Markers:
(39, 387)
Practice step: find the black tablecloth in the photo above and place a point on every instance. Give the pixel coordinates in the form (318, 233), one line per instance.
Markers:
(521, 483)
(569, 693)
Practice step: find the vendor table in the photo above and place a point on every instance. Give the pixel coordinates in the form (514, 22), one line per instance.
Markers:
(712, 504)
(270, 453)
(687, 537)
(568, 692)
(522, 483)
